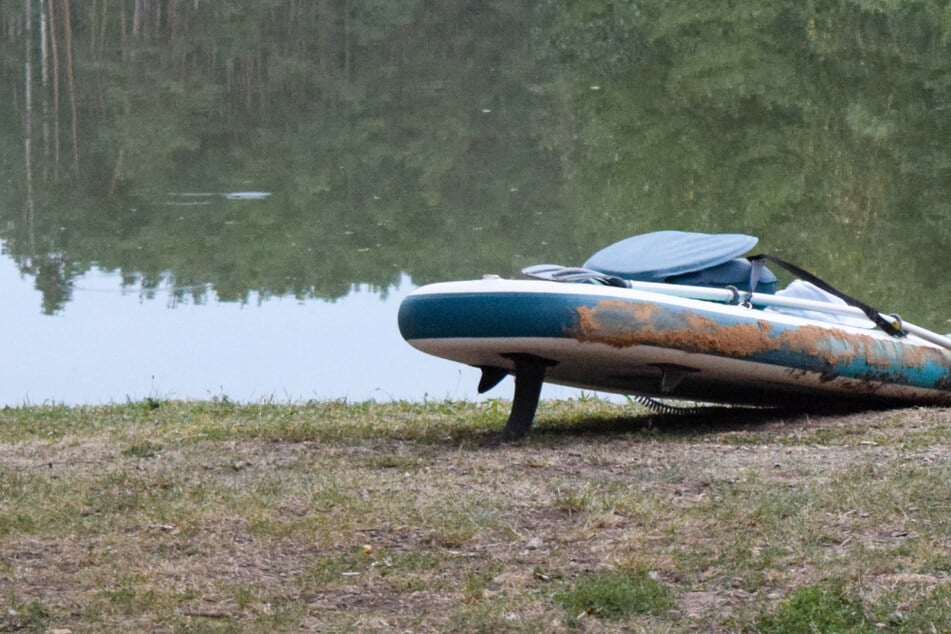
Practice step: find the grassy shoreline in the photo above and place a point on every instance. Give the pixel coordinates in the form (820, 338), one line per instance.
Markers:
(334, 516)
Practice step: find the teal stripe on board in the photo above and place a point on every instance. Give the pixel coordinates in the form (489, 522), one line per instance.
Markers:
(555, 316)
(488, 315)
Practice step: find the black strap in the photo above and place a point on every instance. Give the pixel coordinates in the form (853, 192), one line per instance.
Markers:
(891, 327)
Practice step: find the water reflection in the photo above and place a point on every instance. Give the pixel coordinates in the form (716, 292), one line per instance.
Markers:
(301, 150)
(187, 199)
(112, 345)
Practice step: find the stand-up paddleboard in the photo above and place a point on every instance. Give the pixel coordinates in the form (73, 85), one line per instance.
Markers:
(648, 339)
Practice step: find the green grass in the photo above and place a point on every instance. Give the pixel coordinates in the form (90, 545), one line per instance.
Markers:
(24, 616)
(824, 607)
(336, 516)
(615, 595)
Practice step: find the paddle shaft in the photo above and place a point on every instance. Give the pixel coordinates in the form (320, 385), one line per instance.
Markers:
(780, 301)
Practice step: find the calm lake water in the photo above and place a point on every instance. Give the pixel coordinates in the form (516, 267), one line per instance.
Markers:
(230, 199)
(112, 345)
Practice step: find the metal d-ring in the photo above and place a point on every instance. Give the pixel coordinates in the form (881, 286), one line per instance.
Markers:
(735, 300)
(738, 299)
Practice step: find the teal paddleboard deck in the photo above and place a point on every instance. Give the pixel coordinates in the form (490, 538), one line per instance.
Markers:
(638, 342)
(679, 315)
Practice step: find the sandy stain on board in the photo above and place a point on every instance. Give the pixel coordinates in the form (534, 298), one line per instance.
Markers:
(624, 324)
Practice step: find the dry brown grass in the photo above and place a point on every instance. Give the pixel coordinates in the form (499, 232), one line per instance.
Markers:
(400, 517)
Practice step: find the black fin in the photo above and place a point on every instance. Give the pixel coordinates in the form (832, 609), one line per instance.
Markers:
(491, 376)
(529, 376)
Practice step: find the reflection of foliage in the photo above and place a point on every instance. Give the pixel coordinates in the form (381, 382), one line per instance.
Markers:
(365, 118)
(812, 125)
(471, 137)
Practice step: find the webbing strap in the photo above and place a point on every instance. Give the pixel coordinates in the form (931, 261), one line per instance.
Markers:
(893, 328)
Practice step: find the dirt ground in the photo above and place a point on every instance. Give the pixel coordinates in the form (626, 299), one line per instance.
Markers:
(161, 530)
